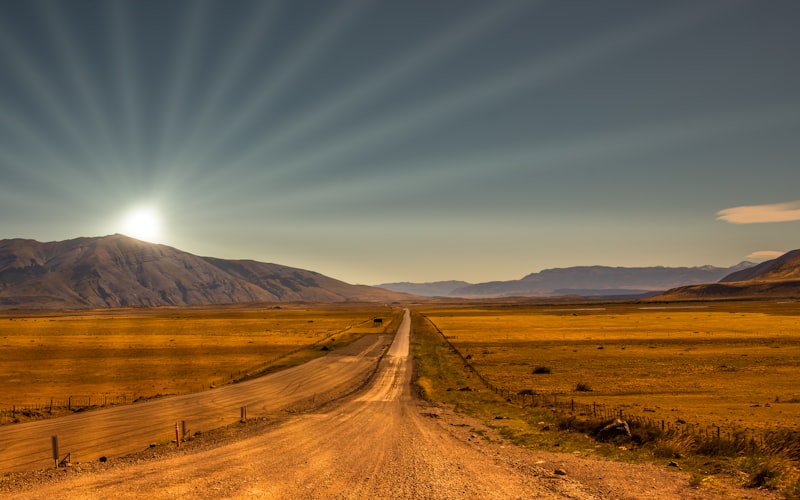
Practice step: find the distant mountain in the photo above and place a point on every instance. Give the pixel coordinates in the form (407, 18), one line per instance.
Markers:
(785, 267)
(598, 280)
(114, 271)
(432, 289)
(776, 278)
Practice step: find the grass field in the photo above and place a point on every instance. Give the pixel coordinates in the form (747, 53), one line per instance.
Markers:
(732, 365)
(704, 364)
(160, 351)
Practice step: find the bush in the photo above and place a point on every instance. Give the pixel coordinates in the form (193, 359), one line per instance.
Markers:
(583, 387)
(541, 370)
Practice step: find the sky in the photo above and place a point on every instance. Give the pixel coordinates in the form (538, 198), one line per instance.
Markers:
(384, 141)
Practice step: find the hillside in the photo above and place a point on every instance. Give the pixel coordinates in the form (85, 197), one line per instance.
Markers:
(431, 289)
(118, 271)
(785, 267)
(776, 278)
(599, 280)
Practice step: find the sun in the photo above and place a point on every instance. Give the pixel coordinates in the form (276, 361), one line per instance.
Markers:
(142, 223)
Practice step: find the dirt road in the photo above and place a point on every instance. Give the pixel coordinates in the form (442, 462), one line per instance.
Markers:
(121, 430)
(378, 443)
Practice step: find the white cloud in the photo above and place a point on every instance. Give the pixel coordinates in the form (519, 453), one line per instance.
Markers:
(765, 255)
(754, 214)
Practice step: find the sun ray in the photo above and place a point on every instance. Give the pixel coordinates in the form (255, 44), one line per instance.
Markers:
(525, 77)
(518, 163)
(393, 74)
(126, 74)
(75, 66)
(273, 81)
(184, 61)
(23, 67)
(242, 54)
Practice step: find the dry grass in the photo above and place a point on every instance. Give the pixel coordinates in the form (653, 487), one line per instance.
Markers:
(671, 356)
(165, 351)
(712, 364)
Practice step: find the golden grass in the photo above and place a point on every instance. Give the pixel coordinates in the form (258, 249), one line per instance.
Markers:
(733, 364)
(655, 362)
(160, 351)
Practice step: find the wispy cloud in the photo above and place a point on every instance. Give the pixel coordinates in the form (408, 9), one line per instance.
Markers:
(754, 214)
(765, 255)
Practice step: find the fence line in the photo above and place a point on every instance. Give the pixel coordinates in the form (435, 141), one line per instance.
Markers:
(78, 402)
(709, 437)
(82, 402)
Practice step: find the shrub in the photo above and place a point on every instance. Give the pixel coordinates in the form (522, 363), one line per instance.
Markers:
(541, 370)
(583, 387)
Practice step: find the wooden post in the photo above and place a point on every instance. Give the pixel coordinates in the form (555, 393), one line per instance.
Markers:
(177, 435)
(54, 443)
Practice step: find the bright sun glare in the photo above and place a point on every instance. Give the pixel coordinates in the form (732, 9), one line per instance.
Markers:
(142, 224)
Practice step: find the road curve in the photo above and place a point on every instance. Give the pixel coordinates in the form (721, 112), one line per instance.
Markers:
(122, 430)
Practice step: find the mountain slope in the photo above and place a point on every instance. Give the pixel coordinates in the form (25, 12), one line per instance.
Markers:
(431, 289)
(599, 280)
(785, 267)
(776, 278)
(114, 271)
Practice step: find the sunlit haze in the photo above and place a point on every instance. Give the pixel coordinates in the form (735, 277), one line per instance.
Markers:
(407, 141)
(143, 223)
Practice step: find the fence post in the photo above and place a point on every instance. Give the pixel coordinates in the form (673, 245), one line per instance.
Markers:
(54, 443)
(177, 435)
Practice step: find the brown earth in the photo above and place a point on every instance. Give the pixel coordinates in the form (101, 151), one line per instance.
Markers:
(381, 442)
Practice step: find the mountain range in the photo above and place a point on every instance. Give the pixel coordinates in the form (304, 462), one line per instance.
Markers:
(119, 271)
(579, 280)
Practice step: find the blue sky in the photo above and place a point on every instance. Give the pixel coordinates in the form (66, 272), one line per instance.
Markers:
(407, 141)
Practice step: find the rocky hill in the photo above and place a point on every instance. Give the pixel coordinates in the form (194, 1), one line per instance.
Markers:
(776, 278)
(118, 271)
(599, 280)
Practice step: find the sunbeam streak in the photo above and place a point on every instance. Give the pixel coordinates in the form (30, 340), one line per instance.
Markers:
(558, 65)
(127, 77)
(35, 79)
(187, 54)
(393, 73)
(259, 126)
(80, 75)
(273, 81)
(241, 56)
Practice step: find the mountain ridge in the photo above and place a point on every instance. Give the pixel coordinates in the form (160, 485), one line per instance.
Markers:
(775, 278)
(599, 280)
(119, 271)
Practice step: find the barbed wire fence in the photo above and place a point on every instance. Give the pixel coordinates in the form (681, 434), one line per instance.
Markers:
(704, 439)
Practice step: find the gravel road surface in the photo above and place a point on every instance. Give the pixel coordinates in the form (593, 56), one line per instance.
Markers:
(122, 430)
(380, 442)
